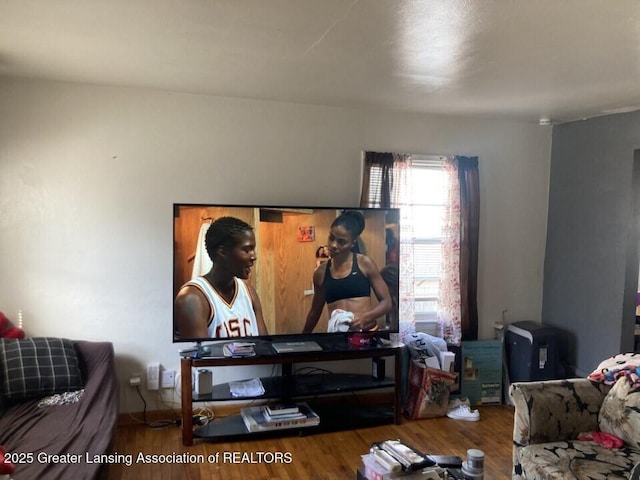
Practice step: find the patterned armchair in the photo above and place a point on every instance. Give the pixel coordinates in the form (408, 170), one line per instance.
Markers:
(549, 417)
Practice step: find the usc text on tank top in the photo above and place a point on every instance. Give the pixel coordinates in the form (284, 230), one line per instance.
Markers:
(354, 285)
(227, 320)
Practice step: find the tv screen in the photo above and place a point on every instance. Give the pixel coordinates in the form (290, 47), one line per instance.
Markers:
(283, 271)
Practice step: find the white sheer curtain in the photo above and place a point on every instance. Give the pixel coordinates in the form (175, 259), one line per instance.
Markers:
(449, 311)
(402, 168)
(388, 181)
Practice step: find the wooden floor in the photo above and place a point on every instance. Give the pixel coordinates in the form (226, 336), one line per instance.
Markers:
(331, 456)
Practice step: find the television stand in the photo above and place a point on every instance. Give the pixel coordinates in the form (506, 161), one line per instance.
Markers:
(290, 387)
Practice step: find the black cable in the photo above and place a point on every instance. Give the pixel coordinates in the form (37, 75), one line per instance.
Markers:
(144, 412)
(159, 423)
(164, 424)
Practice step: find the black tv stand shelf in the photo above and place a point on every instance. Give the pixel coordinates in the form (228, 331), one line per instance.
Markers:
(289, 386)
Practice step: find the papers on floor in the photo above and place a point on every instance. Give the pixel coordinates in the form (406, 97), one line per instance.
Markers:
(246, 388)
(393, 459)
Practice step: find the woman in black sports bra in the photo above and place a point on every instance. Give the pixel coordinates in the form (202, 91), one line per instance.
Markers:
(345, 282)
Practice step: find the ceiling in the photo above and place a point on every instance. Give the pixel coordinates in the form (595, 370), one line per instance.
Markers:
(515, 59)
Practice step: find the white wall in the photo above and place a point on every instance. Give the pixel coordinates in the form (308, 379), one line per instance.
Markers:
(88, 176)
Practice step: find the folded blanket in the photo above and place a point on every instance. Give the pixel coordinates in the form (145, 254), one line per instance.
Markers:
(621, 365)
(603, 438)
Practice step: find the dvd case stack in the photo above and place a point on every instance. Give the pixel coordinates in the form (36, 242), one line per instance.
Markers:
(239, 349)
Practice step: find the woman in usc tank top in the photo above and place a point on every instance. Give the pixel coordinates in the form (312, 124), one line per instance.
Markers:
(344, 283)
(221, 304)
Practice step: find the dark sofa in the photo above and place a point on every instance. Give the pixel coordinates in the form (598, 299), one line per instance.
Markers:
(63, 441)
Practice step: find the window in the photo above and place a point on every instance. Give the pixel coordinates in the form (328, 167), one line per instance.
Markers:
(435, 194)
(421, 196)
(429, 193)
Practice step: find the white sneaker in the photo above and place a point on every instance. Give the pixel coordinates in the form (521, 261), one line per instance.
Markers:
(456, 402)
(463, 412)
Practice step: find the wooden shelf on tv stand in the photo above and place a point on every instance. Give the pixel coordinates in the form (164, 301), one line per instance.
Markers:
(289, 387)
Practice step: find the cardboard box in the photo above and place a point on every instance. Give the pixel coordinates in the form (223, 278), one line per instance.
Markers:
(482, 372)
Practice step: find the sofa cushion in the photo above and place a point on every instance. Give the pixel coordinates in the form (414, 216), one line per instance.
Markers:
(37, 367)
(619, 412)
(576, 459)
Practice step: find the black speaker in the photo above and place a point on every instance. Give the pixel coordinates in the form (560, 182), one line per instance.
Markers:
(377, 368)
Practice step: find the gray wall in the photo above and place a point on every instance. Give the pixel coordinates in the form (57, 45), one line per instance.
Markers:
(591, 262)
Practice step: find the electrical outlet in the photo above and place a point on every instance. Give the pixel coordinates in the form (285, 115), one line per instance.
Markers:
(168, 379)
(134, 380)
(153, 376)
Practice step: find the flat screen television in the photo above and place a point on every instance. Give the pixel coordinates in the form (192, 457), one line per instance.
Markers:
(291, 243)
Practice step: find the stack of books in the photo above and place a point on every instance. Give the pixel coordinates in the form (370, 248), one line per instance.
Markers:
(275, 417)
(239, 349)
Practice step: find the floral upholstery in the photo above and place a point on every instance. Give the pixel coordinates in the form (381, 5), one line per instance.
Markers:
(549, 417)
(620, 412)
(575, 459)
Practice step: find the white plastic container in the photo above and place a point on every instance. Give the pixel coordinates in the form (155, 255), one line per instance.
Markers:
(473, 467)
(475, 459)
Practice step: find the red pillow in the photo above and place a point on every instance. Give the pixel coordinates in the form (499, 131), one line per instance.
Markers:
(6, 467)
(7, 330)
(13, 332)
